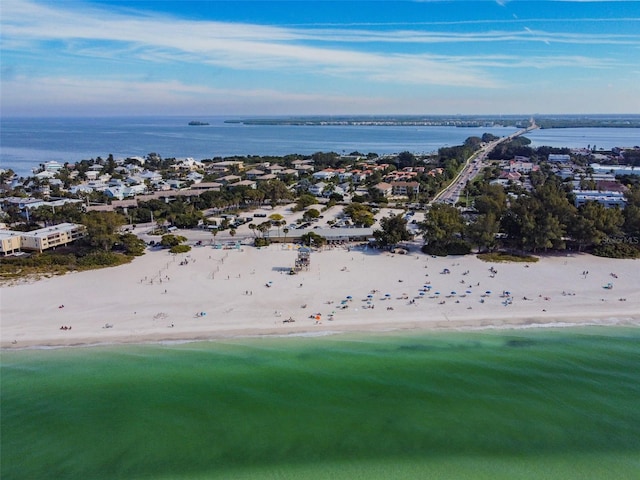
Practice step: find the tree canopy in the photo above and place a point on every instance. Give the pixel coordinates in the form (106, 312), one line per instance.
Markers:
(393, 230)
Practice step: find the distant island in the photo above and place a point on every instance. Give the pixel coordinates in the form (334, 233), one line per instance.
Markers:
(518, 121)
(196, 123)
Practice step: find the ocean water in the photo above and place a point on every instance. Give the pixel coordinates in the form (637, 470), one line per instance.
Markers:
(601, 138)
(27, 142)
(526, 404)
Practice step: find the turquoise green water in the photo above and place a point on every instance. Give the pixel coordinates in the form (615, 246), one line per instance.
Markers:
(547, 404)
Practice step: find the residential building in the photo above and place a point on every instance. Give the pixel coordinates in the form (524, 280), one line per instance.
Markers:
(403, 188)
(559, 158)
(385, 189)
(607, 198)
(615, 169)
(317, 189)
(10, 242)
(41, 239)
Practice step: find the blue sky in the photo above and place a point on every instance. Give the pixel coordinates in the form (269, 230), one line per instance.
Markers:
(111, 57)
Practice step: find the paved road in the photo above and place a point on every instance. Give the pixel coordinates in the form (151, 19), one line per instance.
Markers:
(472, 167)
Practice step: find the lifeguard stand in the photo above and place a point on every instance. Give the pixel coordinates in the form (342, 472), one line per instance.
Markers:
(303, 262)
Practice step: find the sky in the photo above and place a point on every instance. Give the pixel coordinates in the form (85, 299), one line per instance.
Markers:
(272, 58)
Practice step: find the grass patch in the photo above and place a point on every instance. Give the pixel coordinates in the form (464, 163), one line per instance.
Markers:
(506, 257)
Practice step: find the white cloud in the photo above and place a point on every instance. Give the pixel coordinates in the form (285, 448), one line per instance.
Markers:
(238, 46)
(330, 53)
(73, 95)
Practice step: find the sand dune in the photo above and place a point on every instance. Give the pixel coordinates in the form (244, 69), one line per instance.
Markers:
(211, 293)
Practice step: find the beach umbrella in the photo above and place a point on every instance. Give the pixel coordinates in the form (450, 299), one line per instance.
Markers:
(388, 295)
(488, 292)
(421, 294)
(437, 293)
(349, 297)
(468, 291)
(507, 293)
(369, 296)
(453, 293)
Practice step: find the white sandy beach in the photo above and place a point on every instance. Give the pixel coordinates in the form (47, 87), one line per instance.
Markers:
(213, 293)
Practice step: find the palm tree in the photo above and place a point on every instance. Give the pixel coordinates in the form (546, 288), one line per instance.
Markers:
(277, 220)
(285, 230)
(214, 232)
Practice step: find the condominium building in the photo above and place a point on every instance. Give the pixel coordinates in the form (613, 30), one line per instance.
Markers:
(41, 239)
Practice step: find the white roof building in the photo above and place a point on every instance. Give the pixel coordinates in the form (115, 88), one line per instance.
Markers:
(607, 198)
(615, 169)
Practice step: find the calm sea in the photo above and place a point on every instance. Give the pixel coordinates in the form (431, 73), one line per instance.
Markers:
(525, 404)
(598, 138)
(25, 143)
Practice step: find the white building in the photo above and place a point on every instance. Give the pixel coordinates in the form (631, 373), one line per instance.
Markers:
(607, 198)
(615, 169)
(10, 242)
(41, 239)
(559, 158)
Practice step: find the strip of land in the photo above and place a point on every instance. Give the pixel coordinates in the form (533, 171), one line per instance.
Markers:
(214, 293)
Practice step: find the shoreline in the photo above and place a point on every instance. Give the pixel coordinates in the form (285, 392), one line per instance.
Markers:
(214, 294)
(241, 335)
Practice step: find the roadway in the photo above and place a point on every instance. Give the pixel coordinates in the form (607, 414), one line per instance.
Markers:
(473, 166)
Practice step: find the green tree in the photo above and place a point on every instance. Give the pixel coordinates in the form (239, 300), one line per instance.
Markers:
(583, 232)
(607, 221)
(631, 214)
(180, 249)
(483, 232)
(102, 228)
(277, 221)
(393, 230)
(312, 239)
(443, 223)
(305, 200)
(360, 214)
(310, 214)
(406, 159)
(263, 228)
(492, 198)
(169, 240)
(132, 244)
(276, 190)
(520, 222)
